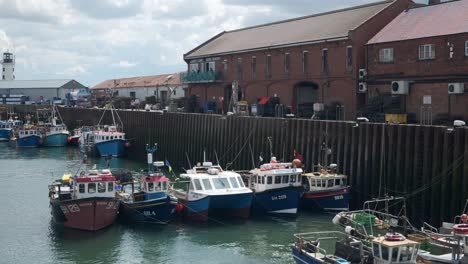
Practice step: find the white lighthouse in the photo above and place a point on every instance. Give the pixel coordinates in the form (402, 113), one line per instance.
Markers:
(8, 69)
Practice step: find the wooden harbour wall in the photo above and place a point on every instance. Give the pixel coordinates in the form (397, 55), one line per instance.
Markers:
(428, 164)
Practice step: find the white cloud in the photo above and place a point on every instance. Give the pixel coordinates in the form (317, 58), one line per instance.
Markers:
(125, 64)
(78, 69)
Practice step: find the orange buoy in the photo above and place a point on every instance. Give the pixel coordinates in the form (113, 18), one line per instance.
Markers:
(179, 208)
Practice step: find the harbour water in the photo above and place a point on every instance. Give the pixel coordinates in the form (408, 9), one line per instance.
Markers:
(28, 234)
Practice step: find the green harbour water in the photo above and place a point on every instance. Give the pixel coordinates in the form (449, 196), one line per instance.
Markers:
(28, 234)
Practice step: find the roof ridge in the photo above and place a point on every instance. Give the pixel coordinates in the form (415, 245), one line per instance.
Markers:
(143, 76)
(436, 4)
(313, 15)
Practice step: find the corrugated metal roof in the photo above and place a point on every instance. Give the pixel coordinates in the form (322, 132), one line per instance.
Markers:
(325, 26)
(436, 20)
(18, 84)
(140, 81)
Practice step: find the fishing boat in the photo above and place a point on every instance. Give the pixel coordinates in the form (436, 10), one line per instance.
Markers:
(326, 189)
(388, 248)
(86, 201)
(110, 140)
(6, 131)
(214, 192)
(86, 140)
(27, 137)
(151, 202)
(55, 132)
(74, 138)
(276, 187)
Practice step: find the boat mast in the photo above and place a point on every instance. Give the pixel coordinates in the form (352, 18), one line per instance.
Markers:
(271, 147)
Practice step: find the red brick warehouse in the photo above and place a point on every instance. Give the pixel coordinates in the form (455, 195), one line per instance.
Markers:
(306, 60)
(422, 57)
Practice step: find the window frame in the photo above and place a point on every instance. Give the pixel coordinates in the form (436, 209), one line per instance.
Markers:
(81, 188)
(287, 64)
(268, 67)
(253, 65)
(386, 55)
(466, 48)
(349, 58)
(325, 64)
(239, 68)
(305, 62)
(431, 52)
(89, 187)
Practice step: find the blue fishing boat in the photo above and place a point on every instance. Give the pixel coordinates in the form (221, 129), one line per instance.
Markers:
(6, 131)
(28, 137)
(110, 140)
(276, 186)
(214, 192)
(152, 201)
(55, 135)
(326, 190)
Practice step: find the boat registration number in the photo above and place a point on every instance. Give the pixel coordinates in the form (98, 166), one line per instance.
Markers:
(339, 197)
(279, 197)
(149, 213)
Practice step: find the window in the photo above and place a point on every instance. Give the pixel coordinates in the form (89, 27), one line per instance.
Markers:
(330, 183)
(210, 66)
(305, 62)
(466, 48)
(81, 188)
(150, 186)
(239, 68)
(241, 183)
(194, 67)
(337, 182)
(286, 179)
(268, 66)
(263, 180)
(254, 68)
(277, 179)
(3, 77)
(427, 52)
(234, 182)
(376, 250)
(220, 183)
(91, 187)
(164, 185)
(349, 58)
(386, 55)
(325, 61)
(207, 184)
(225, 62)
(287, 63)
(385, 253)
(293, 178)
(269, 180)
(132, 94)
(110, 186)
(394, 254)
(198, 186)
(101, 187)
(3, 69)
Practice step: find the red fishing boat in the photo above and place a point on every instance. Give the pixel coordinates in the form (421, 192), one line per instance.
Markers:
(86, 201)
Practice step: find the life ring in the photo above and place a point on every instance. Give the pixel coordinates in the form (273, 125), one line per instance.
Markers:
(394, 237)
(461, 229)
(464, 218)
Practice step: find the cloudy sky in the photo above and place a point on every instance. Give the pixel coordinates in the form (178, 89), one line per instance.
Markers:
(92, 41)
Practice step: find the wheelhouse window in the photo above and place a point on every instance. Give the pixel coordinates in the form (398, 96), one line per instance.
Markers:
(268, 66)
(305, 62)
(330, 183)
(269, 180)
(197, 184)
(325, 61)
(277, 179)
(337, 182)
(207, 184)
(220, 183)
(349, 58)
(427, 52)
(234, 183)
(376, 249)
(150, 186)
(81, 188)
(385, 251)
(287, 62)
(110, 186)
(285, 179)
(386, 55)
(241, 183)
(293, 178)
(239, 68)
(101, 187)
(132, 94)
(91, 187)
(254, 67)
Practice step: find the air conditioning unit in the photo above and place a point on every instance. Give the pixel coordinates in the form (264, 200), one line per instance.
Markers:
(362, 74)
(362, 87)
(456, 88)
(400, 87)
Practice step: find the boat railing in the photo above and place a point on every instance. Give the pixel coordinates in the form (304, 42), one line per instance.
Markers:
(311, 240)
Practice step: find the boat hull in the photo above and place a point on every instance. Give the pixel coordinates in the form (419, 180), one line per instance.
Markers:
(5, 135)
(89, 214)
(233, 205)
(303, 258)
(74, 141)
(56, 140)
(113, 148)
(196, 210)
(156, 211)
(330, 200)
(29, 142)
(284, 201)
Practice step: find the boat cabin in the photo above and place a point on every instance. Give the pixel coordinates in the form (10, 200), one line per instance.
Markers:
(27, 132)
(106, 136)
(57, 129)
(273, 176)
(205, 168)
(214, 181)
(325, 179)
(94, 184)
(154, 183)
(394, 248)
(5, 125)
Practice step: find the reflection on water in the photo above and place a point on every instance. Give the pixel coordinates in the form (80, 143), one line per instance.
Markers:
(30, 236)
